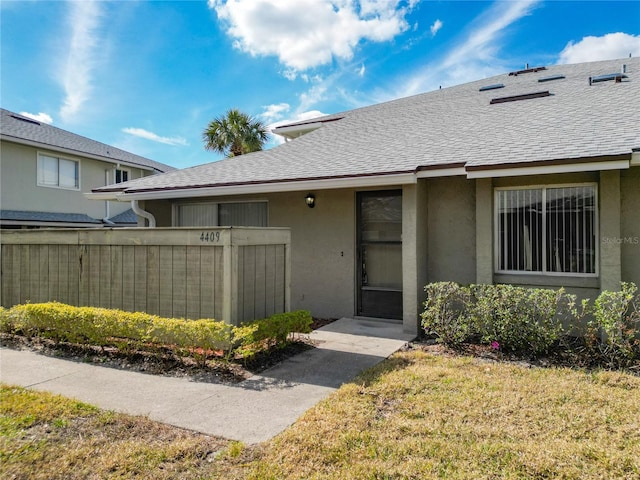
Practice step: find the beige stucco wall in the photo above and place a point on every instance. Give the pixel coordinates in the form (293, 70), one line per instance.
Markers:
(414, 253)
(451, 230)
(630, 225)
(20, 191)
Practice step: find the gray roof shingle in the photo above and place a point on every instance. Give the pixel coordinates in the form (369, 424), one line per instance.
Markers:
(20, 129)
(444, 128)
(53, 217)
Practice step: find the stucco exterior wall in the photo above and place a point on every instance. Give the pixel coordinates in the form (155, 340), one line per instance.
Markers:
(322, 249)
(415, 214)
(20, 189)
(451, 230)
(630, 225)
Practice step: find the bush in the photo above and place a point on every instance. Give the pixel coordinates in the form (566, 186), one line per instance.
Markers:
(614, 332)
(515, 319)
(521, 320)
(128, 331)
(271, 332)
(446, 313)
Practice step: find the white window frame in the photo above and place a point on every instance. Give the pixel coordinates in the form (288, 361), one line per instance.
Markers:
(176, 206)
(545, 272)
(115, 174)
(58, 158)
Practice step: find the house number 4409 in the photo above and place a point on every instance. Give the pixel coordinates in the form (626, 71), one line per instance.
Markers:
(211, 237)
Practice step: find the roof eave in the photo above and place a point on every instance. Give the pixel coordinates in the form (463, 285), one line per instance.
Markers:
(396, 178)
(77, 153)
(593, 164)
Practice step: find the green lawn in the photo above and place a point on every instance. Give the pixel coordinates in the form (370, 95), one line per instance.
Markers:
(414, 416)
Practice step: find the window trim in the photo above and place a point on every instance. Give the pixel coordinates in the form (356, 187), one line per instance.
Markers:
(544, 272)
(115, 173)
(175, 217)
(58, 157)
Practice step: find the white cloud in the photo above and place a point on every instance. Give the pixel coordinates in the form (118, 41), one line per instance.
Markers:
(309, 33)
(274, 112)
(473, 58)
(76, 75)
(142, 133)
(361, 71)
(435, 28)
(607, 47)
(38, 117)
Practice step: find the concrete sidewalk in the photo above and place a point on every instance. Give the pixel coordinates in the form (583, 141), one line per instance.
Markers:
(251, 411)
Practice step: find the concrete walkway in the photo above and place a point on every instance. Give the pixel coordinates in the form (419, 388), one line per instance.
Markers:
(251, 411)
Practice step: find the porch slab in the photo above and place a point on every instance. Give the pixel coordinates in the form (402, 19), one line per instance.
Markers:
(251, 411)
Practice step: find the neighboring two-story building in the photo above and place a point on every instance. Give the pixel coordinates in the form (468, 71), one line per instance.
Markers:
(45, 171)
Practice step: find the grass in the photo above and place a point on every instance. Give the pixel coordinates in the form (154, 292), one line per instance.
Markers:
(414, 416)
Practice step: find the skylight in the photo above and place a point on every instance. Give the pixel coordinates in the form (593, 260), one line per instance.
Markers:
(27, 120)
(605, 78)
(515, 98)
(526, 70)
(491, 87)
(551, 78)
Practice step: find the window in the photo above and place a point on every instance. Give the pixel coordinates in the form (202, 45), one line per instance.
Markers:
(547, 230)
(240, 214)
(58, 172)
(122, 175)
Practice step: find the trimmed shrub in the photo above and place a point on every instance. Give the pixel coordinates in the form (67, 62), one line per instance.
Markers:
(514, 319)
(614, 332)
(200, 339)
(521, 320)
(446, 313)
(274, 331)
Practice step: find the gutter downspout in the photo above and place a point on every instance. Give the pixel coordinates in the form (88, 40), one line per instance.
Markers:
(142, 213)
(107, 214)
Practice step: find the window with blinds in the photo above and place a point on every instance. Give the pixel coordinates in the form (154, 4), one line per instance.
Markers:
(58, 172)
(547, 230)
(240, 214)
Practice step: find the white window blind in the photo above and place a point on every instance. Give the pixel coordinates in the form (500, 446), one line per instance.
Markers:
(547, 230)
(58, 172)
(241, 214)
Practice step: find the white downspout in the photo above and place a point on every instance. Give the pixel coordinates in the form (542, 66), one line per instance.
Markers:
(106, 202)
(142, 213)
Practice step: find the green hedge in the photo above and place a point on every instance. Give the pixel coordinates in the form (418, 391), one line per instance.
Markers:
(136, 330)
(529, 321)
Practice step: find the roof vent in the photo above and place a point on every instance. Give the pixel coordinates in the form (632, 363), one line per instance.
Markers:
(491, 87)
(26, 120)
(605, 78)
(515, 98)
(526, 70)
(551, 78)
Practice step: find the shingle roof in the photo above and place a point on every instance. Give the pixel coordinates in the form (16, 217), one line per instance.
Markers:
(52, 217)
(20, 129)
(125, 217)
(448, 127)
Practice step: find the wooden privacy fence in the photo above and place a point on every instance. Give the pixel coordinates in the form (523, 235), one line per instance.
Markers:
(235, 274)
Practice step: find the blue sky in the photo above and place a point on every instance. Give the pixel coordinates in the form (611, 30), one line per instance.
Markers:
(147, 76)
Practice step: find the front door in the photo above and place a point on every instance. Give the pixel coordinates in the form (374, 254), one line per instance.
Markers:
(379, 236)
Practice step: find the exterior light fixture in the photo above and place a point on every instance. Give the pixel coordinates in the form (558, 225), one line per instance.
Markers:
(310, 200)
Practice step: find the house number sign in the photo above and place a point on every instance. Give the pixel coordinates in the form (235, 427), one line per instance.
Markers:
(210, 237)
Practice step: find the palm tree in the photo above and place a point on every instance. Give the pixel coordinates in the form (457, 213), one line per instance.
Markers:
(235, 133)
